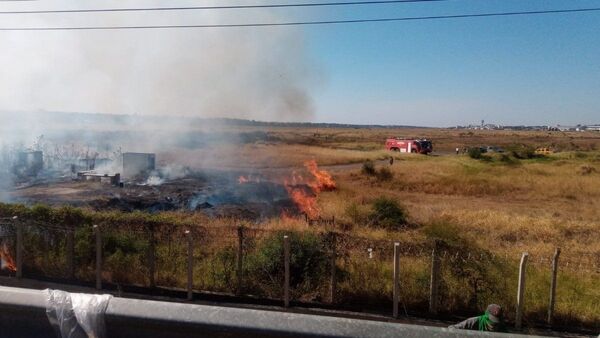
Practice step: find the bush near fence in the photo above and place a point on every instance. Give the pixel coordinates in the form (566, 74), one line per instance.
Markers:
(471, 277)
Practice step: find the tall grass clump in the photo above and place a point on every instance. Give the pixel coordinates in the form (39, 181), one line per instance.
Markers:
(358, 214)
(471, 276)
(308, 265)
(384, 174)
(368, 168)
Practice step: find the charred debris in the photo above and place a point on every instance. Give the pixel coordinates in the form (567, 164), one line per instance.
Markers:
(128, 181)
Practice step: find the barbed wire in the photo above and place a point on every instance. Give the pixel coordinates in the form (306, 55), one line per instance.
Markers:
(344, 244)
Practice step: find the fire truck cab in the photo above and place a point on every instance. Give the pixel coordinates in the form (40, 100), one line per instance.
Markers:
(418, 146)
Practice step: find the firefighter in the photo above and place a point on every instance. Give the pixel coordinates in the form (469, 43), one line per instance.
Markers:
(491, 320)
(391, 160)
(457, 150)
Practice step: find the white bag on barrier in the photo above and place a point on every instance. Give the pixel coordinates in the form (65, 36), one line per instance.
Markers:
(76, 315)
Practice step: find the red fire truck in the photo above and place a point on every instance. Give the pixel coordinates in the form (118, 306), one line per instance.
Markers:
(419, 146)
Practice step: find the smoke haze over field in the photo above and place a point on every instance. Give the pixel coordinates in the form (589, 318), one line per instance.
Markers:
(191, 72)
(144, 75)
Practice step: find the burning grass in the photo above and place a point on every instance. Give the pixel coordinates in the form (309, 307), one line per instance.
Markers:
(306, 199)
(6, 259)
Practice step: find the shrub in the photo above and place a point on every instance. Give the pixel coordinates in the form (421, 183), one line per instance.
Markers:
(308, 264)
(387, 213)
(522, 152)
(475, 153)
(368, 168)
(384, 174)
(508, 159)
(222, 268)
(125, 255)
(466, 282)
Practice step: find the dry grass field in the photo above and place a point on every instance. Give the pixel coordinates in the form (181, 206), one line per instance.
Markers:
(486, 211)
(503, 206)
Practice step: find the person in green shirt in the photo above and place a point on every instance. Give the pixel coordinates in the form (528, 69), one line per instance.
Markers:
(491, 320)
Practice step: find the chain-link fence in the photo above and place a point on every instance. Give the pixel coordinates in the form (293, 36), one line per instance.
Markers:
(352, 272)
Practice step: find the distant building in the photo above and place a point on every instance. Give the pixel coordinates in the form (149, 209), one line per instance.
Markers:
(138, 164)
(594, 127)
(570, 128)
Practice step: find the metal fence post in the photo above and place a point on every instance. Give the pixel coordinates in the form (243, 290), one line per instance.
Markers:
(240, 260)
(98, 257)
(190, 265)
(286, 262)
(553, 286)
(435, 279)
(19, 247)
(396, 294)
(332, 281)
(521, 291)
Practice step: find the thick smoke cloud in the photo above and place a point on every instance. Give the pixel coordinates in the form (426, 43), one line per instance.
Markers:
(251, 73)
(257, 73)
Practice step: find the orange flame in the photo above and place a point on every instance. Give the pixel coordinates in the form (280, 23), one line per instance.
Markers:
(6, 260)
(324, 181)
(304, 193)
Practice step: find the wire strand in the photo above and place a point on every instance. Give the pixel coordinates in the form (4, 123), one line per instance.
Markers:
(316, 4)
(305, 23)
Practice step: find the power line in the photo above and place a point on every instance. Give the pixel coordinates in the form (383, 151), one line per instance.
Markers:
(316, 4)
(305, 23)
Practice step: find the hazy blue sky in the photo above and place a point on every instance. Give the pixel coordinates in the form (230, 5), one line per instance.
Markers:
(542, 69)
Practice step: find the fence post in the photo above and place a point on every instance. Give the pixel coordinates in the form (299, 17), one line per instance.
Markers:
(190, 265)
(240, 259)
(19, 247)
(396, 294)
(332, 281)
(521, 291)
(553, 286)
(98, 257)
(435, 279)
(71, 253)
(152, 259)
(286, 262)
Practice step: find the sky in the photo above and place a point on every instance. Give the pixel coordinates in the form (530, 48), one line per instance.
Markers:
(537, 70)
(510, 70)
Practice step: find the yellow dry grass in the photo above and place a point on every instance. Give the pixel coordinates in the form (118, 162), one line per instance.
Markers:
(533, 206)
(264, 156)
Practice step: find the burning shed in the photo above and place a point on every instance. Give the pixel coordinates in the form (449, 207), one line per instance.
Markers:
(136, 164)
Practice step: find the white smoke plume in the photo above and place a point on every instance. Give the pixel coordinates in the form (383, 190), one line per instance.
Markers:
(251, 73)
(257, 73)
